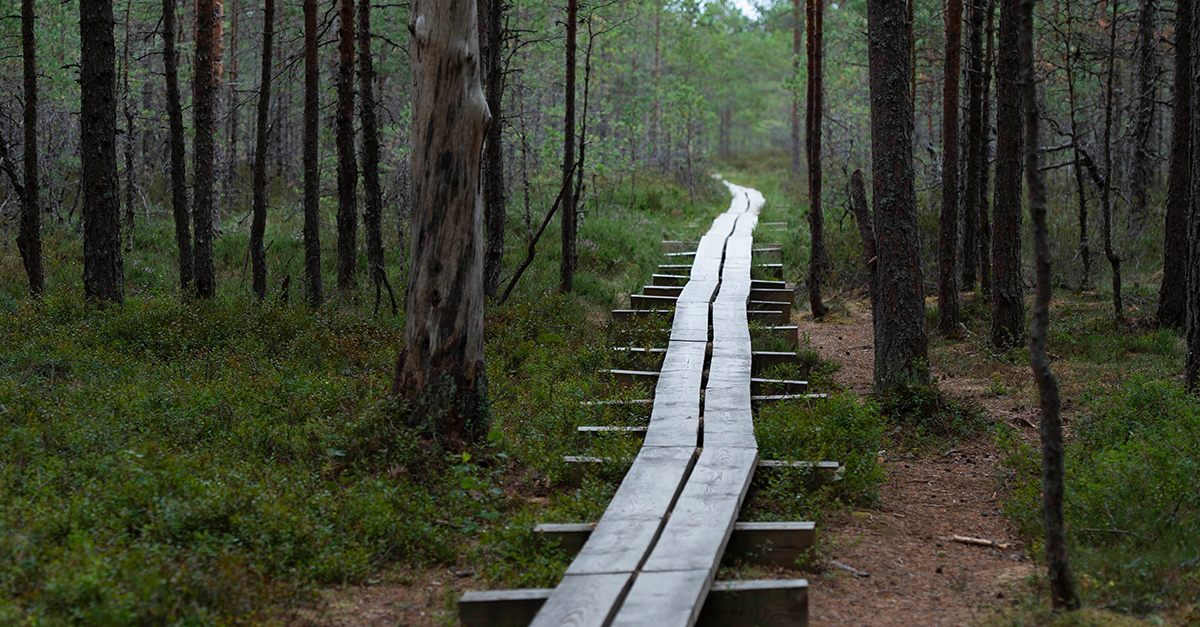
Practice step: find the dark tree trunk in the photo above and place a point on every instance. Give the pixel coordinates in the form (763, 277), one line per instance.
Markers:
(179, 194)
(1143, 119)
(29, 241)
(103, 267)
(985, 158)
(258, 224)
(1069, 57)
(230, 184)
(1192, 365)
(973, 140)
(1008, 305)
(494, 202)
(569, 216)
(816, 104)
(372, 193)
(441, 369)
(796, 86)
(866, 231)
(130, 174)
(901, 344)
(1106, 184)
(312, 174)
(1172, 303)
(948, 236)
(204, 181)
(347, 168)
(1062, 585)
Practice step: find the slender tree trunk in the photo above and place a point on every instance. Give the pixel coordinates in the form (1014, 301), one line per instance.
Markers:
(1172, 298)
(29, 241)
(1110, 252)
(494, 192)
(204, 146)
(230, 184)
(1143, 129)
(569, 216)
(1008, 303)
(347, 168)
(258, 224)
(372, 192)
(866, 230)
(1069, 57)
(796, 26)
(130, 174)
(312, 173)
(103, 266)
(441, 369)
(656, 117)
(948, 317)
(971, 142)
(179, 195)
(1192, 365)
(901, 344)
(1062, 585)
(816, 105)
(984, 222)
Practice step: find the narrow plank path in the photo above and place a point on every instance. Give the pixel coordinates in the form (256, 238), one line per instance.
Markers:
(652, 557)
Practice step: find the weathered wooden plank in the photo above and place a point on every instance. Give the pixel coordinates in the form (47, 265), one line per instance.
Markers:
(662, 290)
(778, 398)
(763, 284)
(767, 359)
(625, 315)
(672, 268)
(777, 295)
(631, 377)
(664, 599)
(789, 333)
(636, 401)
(770, 317)
(671, 246)
(646, 301)
(681, 254)
(583, 601)
(501, 608)
(760, 386)
(585, 435)
(770, 305)
(668, 279)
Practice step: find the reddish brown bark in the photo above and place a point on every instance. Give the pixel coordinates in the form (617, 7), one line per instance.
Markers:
(103, 266)
(948, 236)
(1008, 304)
(347, 167)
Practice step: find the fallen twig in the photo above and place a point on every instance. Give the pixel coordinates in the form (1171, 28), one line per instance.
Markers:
(850, 569)
(980, 542)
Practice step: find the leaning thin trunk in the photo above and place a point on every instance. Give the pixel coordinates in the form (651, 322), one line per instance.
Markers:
(1062, 585)
(1008, 303)
(901, 343)
(948, 237)
(103, 266)
(1172, 304)
(204, 146)
(29, 241)
(312, 173)
(179, 195)
(441, 369)
(258, 225)
(569, 216)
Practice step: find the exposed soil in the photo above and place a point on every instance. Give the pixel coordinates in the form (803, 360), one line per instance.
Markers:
(915, 574)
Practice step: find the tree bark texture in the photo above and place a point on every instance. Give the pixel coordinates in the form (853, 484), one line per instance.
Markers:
(203, 147)
(1172, 297)
(103, 267)
(347, 167)
(441, 369)
(179, 194)
(130, 174)
(948, 317)
(258, 223)
(866, 231)
(1062, 585)
(372, 192)
(495, 203)
(312, 173)
(1008, 306)
(796, 86)
(569, 216)
(29, 240)
(973, 127)
(1192, 365)
(817, 259)
(1143, 118)
(901, 343)
(1069, 57)
(1114, 259)
(985, 158)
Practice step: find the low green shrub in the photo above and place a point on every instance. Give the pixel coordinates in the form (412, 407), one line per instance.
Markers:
(928, 412)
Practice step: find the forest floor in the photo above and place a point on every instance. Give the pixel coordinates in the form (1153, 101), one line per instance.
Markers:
(915, 574)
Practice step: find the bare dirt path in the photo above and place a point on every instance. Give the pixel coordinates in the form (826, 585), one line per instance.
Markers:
(916, 575)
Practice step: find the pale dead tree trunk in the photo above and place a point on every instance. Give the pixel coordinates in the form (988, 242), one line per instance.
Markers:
(569, 216)
(901, 343)
(258, 224)
(347, 168)
(29, 242)
(312, 173)
(179, 195)
(947, 321)
(816, 105)
(494, 200)
(441, 369)
(103, 265)
(1143, 127)
(1172, 298)
(1062, 585)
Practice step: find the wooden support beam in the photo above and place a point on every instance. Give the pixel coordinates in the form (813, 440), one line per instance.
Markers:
(638, 401)
(822, 471)
(674, 246)
(774, 225)
(761, 603)
(646, 301)
(762, 284)
(632, 377)
(672, 278)
(769, 269)
(787, 333)
(776, 295)
(624, 315)
(662, 290)
(761, 360)
(760, 386)
(769, 316)
(681, 254)
(585, 435)
(674, 268)
(778, 398)
(777, 544)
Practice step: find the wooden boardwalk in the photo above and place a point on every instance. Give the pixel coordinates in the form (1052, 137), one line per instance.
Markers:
(652, 557)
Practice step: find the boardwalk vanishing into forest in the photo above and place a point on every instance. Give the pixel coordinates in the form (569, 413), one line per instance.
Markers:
(653, 556)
